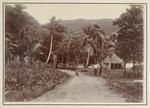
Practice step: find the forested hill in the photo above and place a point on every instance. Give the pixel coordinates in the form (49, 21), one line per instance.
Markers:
(76, 25)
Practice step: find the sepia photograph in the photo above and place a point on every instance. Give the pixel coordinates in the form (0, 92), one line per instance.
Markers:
(74, 53)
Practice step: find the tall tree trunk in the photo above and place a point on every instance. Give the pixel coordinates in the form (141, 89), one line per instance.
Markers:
(110, 67)
(87, 61)
(124, 67)
(133, 66)
(54, 61)
(50, 49)
(57, 64)
(101, 65)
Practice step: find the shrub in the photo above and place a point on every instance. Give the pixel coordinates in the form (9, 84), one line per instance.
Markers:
(30, 82)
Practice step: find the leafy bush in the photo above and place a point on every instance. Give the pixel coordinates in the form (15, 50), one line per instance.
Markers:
(24, 83)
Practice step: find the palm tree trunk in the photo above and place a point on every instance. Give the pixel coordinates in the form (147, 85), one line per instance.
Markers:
(54, 61)
(124, 67)
(88, 57)
(100, 71)
(50, 49)
(133, 66)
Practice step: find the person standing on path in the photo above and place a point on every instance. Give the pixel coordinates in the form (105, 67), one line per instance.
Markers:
(76, 71)
(96, 69)
(77, 74)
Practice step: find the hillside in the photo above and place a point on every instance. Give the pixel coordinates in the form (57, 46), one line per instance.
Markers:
(75, 26)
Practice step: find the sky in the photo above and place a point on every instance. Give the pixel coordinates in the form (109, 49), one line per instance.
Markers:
(43, 12)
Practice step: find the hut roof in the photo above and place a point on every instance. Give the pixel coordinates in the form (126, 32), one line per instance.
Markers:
(113, 58)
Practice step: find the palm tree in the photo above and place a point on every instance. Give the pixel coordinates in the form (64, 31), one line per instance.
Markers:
(55, 29)
(94, 40)
(89, 49)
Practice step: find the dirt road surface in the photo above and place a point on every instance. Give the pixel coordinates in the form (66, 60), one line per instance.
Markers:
(82, 89)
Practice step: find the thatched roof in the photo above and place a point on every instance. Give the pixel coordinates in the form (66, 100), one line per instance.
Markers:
(113, 58)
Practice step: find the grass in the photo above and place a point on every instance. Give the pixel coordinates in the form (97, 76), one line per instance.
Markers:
(127, 86)
(132, 91)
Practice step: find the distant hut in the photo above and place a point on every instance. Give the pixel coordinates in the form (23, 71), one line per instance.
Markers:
(113, 62)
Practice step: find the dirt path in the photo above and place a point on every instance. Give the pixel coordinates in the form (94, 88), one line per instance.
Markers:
(82, 88)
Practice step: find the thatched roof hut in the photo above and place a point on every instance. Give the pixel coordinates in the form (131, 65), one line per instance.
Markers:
(113, 61)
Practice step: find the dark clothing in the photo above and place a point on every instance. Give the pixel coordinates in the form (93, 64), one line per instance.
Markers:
(77, 74)
(95, 71)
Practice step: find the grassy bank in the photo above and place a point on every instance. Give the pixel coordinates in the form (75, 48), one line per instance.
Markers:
(130, 89)
(24, 83)
(129, 84)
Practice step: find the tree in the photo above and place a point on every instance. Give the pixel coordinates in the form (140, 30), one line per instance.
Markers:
(74, 51)
(89, 49)
(19, 29)
(56, 34)
(130, 39)
(94, 41)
